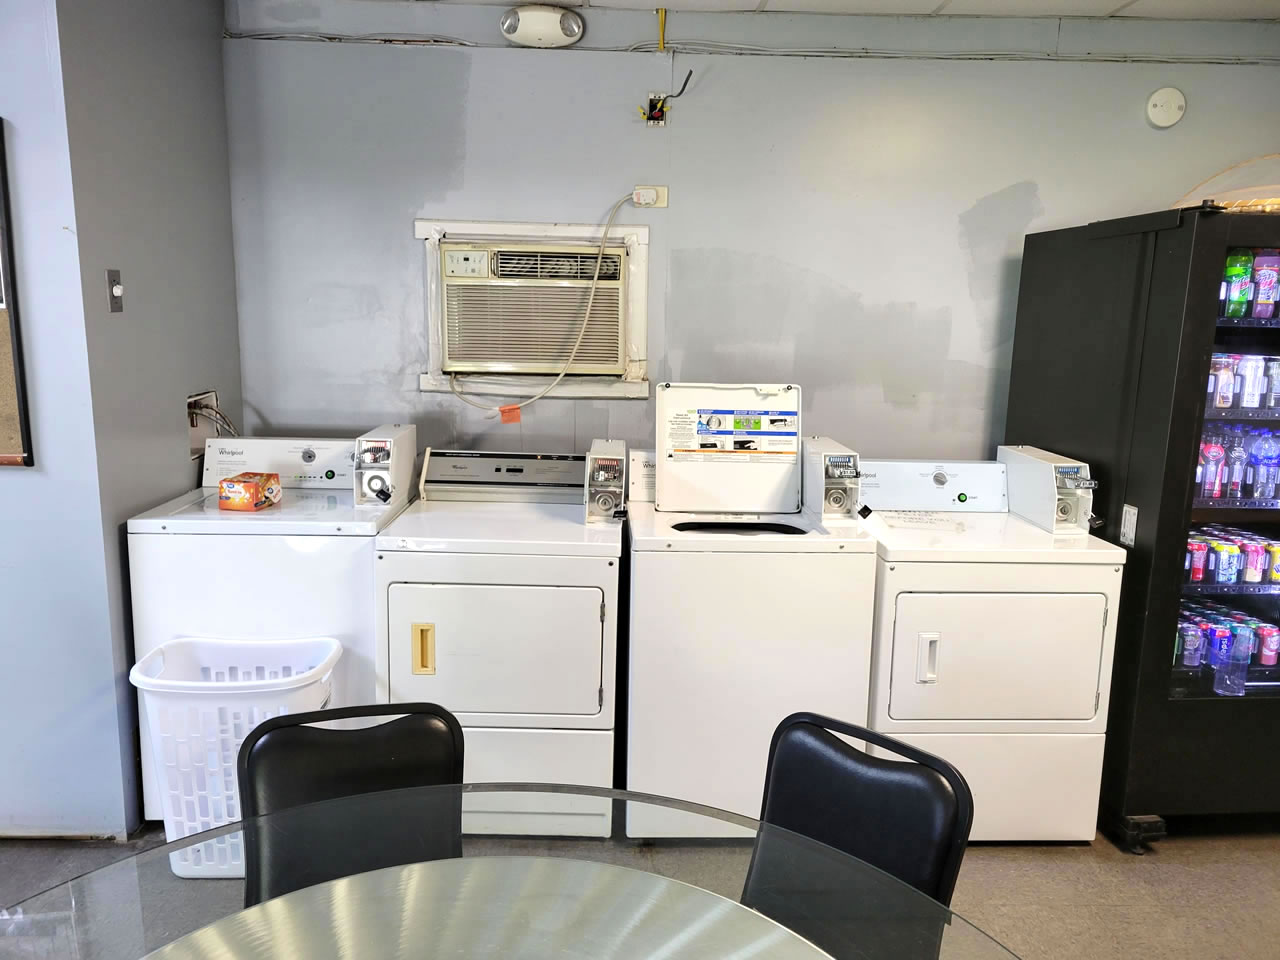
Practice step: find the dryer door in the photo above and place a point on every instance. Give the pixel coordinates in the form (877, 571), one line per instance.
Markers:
(490, 648)
(996, 656)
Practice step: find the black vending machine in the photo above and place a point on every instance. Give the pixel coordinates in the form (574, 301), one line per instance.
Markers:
(1149, 347)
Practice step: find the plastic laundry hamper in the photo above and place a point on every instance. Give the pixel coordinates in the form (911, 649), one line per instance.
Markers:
(202, 697)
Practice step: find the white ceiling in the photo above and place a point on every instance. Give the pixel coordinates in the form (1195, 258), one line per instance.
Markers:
(1159, 9)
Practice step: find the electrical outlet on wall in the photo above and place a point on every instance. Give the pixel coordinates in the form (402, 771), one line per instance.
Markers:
(200, 429)
(649, 196)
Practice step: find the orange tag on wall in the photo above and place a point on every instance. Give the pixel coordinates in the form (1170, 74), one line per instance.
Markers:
(510, 413)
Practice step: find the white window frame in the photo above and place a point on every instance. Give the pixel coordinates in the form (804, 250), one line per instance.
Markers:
(632, 385)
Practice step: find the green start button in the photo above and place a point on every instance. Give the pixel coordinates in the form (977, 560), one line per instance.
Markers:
(962, 497)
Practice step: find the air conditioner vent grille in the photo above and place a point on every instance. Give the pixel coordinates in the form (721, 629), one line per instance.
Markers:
(554, 265)
(499, 328)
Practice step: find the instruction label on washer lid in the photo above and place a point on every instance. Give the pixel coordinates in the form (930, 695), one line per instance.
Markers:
(756, 436)
(921, 520)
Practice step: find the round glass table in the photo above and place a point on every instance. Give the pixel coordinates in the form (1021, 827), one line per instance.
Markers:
(457, 887)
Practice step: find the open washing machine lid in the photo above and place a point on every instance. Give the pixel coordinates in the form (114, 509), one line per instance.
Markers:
(743, 533)
(944, 536)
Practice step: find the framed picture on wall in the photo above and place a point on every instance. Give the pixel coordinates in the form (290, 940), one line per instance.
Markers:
(15, 423)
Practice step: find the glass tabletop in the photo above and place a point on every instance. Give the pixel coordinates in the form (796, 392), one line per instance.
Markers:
(511, 896)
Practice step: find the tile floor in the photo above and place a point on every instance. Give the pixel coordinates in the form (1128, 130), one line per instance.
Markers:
(1193, 896)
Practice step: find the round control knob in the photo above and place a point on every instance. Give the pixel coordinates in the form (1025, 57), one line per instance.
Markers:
(308, 455)
(940, 479)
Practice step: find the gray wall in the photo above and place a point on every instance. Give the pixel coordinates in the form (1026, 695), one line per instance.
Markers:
(115, 125)
(147, 130)
(60, 753)
(853, 225)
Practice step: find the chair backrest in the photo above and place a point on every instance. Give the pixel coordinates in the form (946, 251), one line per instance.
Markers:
(286, 764)
(911, 820)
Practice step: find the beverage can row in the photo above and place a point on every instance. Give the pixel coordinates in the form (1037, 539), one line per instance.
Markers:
(1217, 554)
(1226, 641)
(1244, 381)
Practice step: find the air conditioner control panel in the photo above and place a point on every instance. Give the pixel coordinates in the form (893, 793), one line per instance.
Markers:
(466, 263)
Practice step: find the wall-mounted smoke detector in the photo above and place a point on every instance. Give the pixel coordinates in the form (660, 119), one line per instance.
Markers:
(535, 25)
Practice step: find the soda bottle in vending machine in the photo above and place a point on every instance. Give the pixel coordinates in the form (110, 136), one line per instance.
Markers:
(1266, 283)
(1238, 277)
(1237, 462)
(1264, 459)
(1252, 371)
(1222, 380)
(1212, 454)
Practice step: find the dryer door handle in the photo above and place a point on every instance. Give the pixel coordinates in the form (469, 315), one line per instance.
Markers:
(927, 657)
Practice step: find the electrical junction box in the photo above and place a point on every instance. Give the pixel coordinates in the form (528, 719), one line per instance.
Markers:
(1053, 492)
(305, 462)
(728, 448)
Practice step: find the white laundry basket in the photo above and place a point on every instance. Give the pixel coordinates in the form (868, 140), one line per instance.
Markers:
(202, 697)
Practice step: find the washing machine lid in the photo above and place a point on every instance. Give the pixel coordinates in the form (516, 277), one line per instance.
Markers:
(905, 535)
(549, 529)
(300, 513)
(726, 533)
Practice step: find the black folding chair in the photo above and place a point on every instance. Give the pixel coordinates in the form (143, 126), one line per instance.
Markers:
(286, 766)
(821, 795)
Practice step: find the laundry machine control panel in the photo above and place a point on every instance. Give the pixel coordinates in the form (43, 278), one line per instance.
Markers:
(958, 486)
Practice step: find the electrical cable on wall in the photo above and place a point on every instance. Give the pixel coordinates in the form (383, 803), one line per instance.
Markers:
(731, 48)
(577, 344)
(216, 417)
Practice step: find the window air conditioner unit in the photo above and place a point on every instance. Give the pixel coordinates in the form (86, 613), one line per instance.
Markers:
(513, 307)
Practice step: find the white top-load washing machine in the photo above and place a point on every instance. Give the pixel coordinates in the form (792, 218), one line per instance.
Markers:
(497, 598)
(994, 640)
(737, 619)
(300, 568)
